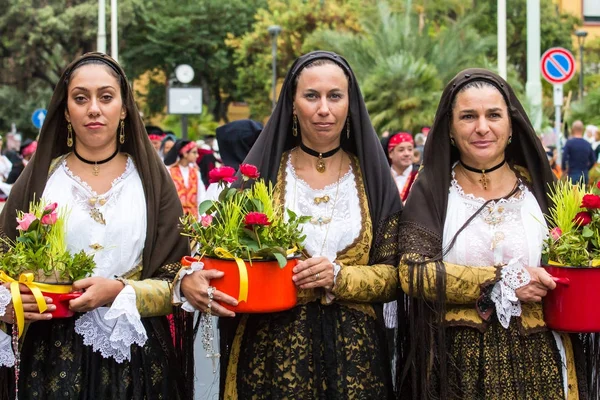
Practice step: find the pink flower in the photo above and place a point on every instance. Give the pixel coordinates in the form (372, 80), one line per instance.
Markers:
(25, 222)
(223, 174)
(249, 171)
(51, 207)
(206, 220)
(49, 219)
(556, 233)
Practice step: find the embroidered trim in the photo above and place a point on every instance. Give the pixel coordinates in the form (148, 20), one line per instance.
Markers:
(328, 187)
(129, 168)
(468, 196)
(5, 299)
(7, 357)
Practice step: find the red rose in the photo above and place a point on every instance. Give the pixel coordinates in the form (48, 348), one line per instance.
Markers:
(590, 201)
(249, 171)
(223, 174)
(598, 185)
(256, 218)
(582, 218)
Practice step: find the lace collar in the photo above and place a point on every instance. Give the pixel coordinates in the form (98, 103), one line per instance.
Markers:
(129, 168)
(468, 196)
(305, 184)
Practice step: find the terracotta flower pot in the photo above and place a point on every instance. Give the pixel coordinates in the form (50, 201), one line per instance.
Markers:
(573, 305)
(270, 287)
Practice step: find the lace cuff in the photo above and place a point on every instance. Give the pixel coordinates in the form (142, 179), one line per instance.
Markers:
(329, 296)
(7, 357)
(514, 276)
(5, 299)
(112, 331)
(178, 297)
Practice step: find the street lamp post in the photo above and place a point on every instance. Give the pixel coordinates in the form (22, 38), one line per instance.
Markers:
(580, 40)
(274, 31)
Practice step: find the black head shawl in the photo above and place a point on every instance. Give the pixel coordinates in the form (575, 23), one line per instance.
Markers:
(276, 138)
(236, 139)
(422, 225)
(173, 155)
(164, 245)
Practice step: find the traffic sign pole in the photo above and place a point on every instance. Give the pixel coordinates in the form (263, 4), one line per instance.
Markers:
(558, 102)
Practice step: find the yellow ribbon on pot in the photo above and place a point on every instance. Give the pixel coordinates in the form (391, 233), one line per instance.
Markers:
(243, 294)
(36, 290)
(595, 263)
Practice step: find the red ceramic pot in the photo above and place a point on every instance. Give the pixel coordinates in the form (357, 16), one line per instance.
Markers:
(270, 287)
(573, 305)
(61, 301)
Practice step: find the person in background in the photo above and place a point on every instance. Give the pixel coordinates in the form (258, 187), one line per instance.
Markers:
(5, 164)
(416, 158)
(420, 142)
(27, 150)
(166, 144)
(590, 135)
(235, 140)
(552, 154)
(207, 160)
(17, 166)
(190, 188)
(156, 135)
(400, 153)
(578, 156)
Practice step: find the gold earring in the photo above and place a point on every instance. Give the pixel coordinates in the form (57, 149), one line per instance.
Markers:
(122, 133)
(295, 126)
(69, 135)
(452, 141)
(348, 128)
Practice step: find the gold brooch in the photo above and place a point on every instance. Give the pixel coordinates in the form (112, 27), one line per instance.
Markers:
(324, 199)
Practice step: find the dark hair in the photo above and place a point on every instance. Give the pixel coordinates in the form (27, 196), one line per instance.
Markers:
(318, 63)
(98, 61)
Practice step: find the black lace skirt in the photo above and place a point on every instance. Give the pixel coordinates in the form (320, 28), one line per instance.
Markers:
(314, 351)
(55, 364)
(502, 364)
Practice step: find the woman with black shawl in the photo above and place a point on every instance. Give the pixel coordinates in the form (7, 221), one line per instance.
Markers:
(471, 241)
(321, 151)
(99, 162)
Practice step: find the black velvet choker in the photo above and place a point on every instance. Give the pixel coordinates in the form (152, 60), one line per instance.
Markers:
(484, 179)
(96, 163)
(320, 163)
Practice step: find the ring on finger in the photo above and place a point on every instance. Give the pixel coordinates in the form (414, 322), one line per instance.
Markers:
(317, 276)
(211, 292)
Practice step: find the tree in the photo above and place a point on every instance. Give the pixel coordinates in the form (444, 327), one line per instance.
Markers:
(298, 20)
(403, 70)
(163, 36)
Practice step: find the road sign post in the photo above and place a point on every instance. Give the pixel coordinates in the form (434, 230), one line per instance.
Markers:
(38, 117)
(558, 67)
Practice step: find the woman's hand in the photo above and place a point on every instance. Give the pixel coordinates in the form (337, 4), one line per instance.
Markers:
(195, 289)
(30, 307)
(97, 292)
(541, 282)
(314, 272)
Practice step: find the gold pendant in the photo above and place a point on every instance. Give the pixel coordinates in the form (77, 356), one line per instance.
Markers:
(484, 180)
(97, 216)
(96, 246)
(96, 170)
(324, 199)
(320, 164)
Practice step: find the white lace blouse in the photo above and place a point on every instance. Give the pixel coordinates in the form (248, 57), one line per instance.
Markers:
(112, 226)
(334, 210)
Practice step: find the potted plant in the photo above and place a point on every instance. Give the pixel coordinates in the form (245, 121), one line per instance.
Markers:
(39, 259)
(249, 237)
(572, 256)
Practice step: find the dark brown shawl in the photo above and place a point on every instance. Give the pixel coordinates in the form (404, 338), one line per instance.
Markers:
(422, 224)
(164, 246)
(382, 194)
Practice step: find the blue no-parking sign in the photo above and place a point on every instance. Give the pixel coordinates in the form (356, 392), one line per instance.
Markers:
(558, 65)
(38, 117)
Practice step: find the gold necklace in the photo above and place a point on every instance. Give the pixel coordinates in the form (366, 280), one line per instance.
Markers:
(323, 220)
